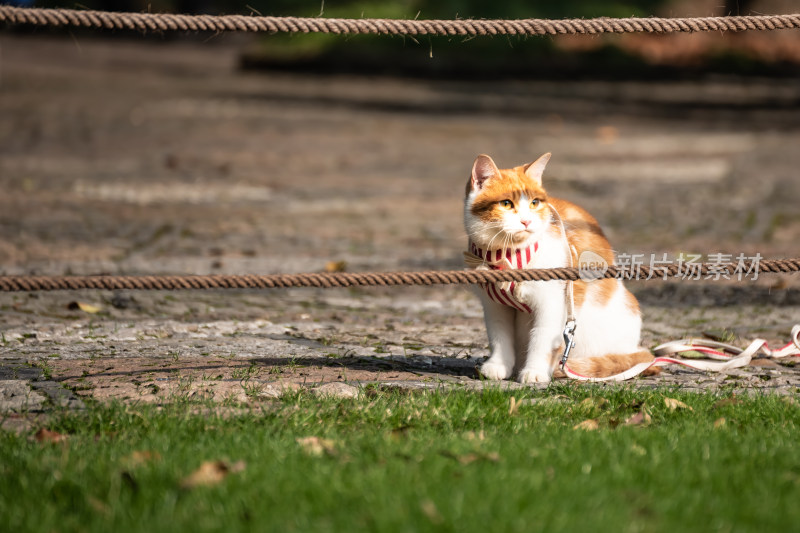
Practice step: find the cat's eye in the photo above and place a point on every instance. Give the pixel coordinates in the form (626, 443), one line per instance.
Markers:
(508, 204)
(535, 202)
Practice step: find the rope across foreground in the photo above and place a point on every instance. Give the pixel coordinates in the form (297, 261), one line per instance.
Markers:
(163, 22)
(363, 279)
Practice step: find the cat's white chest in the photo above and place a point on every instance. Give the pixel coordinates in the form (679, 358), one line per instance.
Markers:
(552, 252)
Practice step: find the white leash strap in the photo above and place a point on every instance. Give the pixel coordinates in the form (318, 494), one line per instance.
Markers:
(728, 356)
(793, 348)
(569, 296)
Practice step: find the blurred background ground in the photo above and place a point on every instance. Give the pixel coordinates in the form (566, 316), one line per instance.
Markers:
(265, 154)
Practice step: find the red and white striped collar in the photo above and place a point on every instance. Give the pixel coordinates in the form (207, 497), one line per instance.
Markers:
(508, 258)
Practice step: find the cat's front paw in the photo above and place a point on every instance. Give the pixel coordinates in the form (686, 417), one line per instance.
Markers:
(523, 293)
(504, 286)
(532, 375)
(495, 371)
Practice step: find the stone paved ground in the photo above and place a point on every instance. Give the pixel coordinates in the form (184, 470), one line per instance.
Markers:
(141, 157)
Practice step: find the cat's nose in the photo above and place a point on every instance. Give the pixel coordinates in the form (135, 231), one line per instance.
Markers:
(525, 222)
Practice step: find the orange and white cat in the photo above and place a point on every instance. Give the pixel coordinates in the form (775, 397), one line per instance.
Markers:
(512, 223)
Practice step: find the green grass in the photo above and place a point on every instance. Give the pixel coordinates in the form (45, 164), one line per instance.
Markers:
(445, 461)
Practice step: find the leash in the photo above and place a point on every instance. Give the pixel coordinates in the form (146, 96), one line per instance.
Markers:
(569, 297)
(724, 356)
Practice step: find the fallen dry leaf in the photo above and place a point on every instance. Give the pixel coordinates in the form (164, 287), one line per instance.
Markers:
(140, 457)
(642, 418)
(471, 435)
(719, 422)
(588, 425)
(47, 435)
(335, 266)
(606, 134)
(674, 404)
(317, 446)
(638, 450)
(512, 406)
(429, 509)
(98, 505)
(467, 458)
(211, 473)
(733, 400)
(83, 306)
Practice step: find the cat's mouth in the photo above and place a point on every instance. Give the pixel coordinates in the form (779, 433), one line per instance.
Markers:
(521, 236)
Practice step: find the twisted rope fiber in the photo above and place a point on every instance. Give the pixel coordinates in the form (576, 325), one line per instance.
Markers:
(347, 279)
(145, 22)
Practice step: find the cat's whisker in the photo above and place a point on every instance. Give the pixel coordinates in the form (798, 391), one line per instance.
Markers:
(492, 225)
(482, 230)
(489, 246)
(494, 237)
(507, 244)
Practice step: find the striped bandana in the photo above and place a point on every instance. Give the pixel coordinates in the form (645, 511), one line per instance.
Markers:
(503, 293)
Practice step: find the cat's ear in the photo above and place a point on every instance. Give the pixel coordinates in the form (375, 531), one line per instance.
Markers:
(483, 169)
(535, 170)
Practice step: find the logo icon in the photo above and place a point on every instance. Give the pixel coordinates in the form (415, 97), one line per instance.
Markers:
(591, 266)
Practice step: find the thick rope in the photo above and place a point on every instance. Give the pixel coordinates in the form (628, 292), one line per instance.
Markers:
(161, 22)
(347, 279)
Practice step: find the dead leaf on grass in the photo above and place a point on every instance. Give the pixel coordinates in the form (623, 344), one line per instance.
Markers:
(719, 422)
(467, 458)
(98, 505)
(673, 404)
(638, 450)
(47, 435)
(429, 509)
(317, 446)
(83, 306)
(587, 425)
(471, 435)
(140, 457)
(733, 400)
(512, 406)
(211, 473)
(642, 418)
